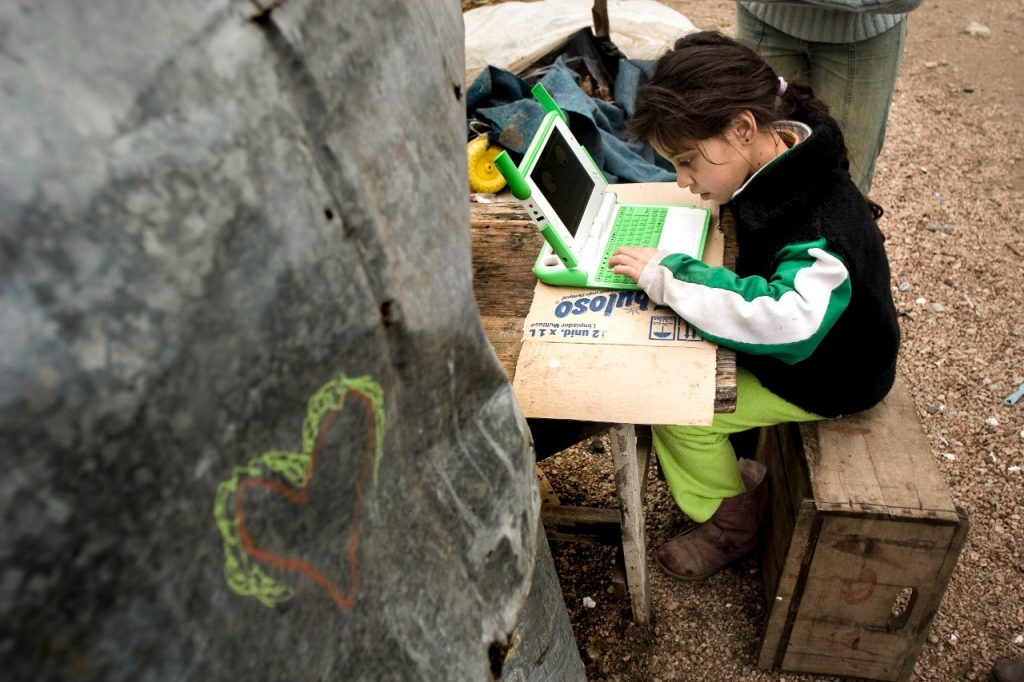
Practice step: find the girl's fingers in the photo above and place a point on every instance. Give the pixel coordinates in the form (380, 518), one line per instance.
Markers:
(627, 270)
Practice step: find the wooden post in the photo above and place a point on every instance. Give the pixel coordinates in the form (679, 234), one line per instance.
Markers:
(634, 528)
(600, 14)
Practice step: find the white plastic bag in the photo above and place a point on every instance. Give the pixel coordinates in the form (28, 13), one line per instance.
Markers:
(512, 35)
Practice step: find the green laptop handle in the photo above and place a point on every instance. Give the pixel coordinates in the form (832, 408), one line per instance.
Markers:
(516, 181)
(541, 94)
(567, 257)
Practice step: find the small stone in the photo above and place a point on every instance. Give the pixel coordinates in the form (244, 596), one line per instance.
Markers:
(1019, 640)
(953, 639)
(597, 446)
(933, 639)
(589, 603)
(992, 421)
(938, 308)
(921, 300)
(1013, 469)
(949, 455)
(931, 409)
(977, 29)
(906, 287)
(931, 65)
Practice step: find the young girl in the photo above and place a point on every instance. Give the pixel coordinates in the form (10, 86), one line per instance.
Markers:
(808, 310)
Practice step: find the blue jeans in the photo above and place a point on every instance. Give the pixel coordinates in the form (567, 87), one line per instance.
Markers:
(856, 81)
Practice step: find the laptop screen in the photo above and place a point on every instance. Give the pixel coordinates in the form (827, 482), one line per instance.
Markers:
(563, 180)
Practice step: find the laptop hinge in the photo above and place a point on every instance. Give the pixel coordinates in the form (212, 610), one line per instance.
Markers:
(593, 248)
(605, 215)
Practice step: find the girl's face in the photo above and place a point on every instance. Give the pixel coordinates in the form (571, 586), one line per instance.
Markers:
(712, 168)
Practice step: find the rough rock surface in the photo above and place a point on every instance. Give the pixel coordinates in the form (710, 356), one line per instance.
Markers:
(251, 427)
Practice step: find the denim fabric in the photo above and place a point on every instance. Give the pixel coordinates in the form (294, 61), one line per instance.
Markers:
(855, 79)
(699, 462)
(503, 101)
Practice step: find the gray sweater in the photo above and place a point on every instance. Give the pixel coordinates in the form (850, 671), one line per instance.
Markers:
(832, 21)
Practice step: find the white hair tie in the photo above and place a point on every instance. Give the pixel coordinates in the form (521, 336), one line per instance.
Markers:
(782, 86)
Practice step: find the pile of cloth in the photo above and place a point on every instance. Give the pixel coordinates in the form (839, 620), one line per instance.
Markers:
(592, 81)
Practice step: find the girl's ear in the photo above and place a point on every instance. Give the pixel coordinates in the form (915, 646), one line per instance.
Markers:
(744, 127)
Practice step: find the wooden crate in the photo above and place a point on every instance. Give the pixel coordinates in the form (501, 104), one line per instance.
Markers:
(861, 543)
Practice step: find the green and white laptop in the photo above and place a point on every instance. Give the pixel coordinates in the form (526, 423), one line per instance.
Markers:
(583, 224)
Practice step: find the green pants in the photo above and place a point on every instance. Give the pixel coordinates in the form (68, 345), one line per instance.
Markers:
(698, 461)
(856, 81)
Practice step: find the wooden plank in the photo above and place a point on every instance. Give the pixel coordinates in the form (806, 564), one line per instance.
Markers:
(600, 14)
(945, 573)
(785, 499)
(644, 448)
(587, 525)
(725, 377)
(879, 461)
(799, 549)
(505, 244)
(841, 467)
(725, 380)
(634, 531)
(548, 496)
(845, 624)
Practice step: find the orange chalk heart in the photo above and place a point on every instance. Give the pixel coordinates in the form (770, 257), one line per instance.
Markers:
(300, 497)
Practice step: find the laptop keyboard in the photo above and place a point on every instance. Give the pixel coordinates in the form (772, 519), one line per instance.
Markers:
(634, 226)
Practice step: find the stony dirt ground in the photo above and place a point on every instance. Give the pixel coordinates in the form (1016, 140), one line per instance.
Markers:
(951, 179)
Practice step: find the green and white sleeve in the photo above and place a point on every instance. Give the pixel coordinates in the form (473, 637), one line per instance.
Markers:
(785, 316)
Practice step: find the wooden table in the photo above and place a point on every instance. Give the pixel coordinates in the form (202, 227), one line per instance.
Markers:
(505, 244)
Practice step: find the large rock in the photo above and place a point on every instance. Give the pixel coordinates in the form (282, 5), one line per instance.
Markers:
(249, 424)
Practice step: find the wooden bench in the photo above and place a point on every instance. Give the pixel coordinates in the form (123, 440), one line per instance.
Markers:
(862, 540)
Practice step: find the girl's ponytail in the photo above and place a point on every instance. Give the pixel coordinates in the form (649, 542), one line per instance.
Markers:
(798, 100)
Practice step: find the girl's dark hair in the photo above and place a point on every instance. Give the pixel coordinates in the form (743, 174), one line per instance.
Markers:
(706, 81)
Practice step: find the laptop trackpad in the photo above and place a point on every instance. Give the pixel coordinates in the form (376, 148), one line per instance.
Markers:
(682, 232)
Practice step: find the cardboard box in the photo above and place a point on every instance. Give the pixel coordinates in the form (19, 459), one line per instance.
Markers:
(862, 540)
(613, 356)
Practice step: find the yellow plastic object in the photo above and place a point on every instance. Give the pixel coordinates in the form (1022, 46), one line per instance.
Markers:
(483, 175)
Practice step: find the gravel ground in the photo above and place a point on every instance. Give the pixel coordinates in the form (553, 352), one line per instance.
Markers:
(951, 179)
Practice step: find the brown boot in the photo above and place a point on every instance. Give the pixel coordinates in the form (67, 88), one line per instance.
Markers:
(704, 550)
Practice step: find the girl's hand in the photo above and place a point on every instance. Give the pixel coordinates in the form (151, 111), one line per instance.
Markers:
(630, 261)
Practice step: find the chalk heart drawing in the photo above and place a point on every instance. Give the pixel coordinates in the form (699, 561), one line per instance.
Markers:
(288, 475)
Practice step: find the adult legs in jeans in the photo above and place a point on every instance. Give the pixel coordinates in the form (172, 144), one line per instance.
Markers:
(709, 485)
(856, 80)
